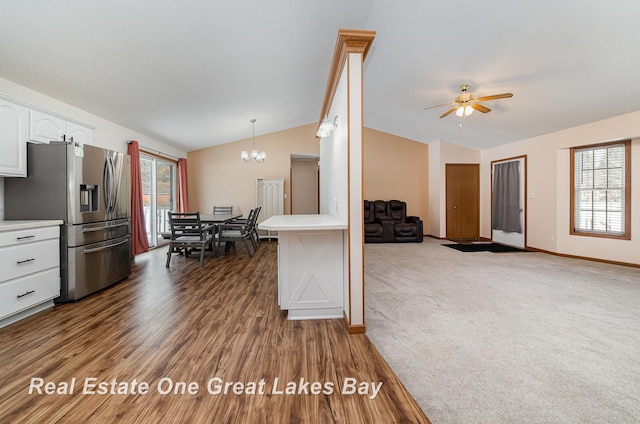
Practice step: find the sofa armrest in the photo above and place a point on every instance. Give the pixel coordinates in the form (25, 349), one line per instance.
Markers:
(419, 227)
(413, 219)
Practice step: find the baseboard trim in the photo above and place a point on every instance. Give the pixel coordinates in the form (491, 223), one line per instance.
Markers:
(354, 329)
(586, 258)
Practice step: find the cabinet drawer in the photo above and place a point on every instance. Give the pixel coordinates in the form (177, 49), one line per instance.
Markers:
(17, 261)
(23, 293)
(10, 238)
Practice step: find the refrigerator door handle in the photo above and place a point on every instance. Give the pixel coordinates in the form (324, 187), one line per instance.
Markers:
(116, 163)
(108, 181)
(100, 249)
(105, 184)
(106, 227)
(115, 180)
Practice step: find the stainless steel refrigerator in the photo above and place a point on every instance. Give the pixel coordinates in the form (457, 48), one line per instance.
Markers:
(89, 189)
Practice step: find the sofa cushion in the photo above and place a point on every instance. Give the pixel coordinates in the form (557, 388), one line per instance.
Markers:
(373, 230)
(380, 210)
(398, 210)
(405, 230)
(369, 217)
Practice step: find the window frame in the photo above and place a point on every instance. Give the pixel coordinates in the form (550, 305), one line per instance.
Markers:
(627, 192)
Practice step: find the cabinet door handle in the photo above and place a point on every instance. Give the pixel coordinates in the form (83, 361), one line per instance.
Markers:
(24, 237)
(26, 294)
(26, 260)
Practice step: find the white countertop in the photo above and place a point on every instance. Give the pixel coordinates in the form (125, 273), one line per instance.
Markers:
(25, 224)
(303, 222)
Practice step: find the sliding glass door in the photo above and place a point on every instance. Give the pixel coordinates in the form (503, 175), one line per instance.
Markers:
(158, 195)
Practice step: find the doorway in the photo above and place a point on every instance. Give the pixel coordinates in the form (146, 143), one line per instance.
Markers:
(463, 201)
(508, 201)
(158, 195)
(305, 185)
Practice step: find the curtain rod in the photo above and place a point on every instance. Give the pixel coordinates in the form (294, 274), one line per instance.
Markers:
(157, 152)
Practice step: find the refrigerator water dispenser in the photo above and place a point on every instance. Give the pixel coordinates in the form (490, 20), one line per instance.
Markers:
(88, 198)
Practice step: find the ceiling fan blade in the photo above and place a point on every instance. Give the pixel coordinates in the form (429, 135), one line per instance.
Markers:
(433, 107)
(495, 96)
(449, 111)
(480, 108)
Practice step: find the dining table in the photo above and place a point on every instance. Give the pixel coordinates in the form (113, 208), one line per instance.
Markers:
(216, 219)
(213, 220)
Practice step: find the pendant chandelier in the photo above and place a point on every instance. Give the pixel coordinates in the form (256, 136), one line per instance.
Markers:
(255, 155)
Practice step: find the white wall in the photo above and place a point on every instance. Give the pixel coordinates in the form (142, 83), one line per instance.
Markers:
(106, 134)
(334, 169)
(548, 191)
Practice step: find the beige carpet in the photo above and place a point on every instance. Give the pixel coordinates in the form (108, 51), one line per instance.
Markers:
(507, 337)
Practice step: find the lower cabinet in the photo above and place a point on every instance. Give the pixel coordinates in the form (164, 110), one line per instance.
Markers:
(30, 260)
(310, 274)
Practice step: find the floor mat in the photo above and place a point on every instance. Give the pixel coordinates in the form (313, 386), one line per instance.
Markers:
(483, 247)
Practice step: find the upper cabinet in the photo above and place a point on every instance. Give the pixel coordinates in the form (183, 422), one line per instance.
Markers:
(79, 133)
(44, 128)
(13, 139)
(21, 122)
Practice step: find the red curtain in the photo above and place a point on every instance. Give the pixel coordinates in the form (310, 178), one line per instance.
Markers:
(183, 196)
(139, 242)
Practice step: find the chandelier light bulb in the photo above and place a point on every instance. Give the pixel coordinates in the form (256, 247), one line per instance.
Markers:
(255, 155)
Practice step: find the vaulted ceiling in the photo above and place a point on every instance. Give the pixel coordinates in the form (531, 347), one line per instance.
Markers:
(194, 73)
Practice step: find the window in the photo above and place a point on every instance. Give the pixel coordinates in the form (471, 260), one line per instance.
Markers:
(601, 190)
(158, 195)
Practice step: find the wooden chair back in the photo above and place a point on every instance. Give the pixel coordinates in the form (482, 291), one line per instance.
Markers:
(222, 209)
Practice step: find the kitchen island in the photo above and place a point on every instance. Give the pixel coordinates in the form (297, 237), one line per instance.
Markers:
(311, 264)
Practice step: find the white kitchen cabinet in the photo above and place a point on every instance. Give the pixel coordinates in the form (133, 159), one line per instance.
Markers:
(30, 260)
(44, 128)
(311, 277)
(79, 133)
(13, 139)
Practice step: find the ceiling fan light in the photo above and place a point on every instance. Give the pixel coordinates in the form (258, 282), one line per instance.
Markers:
(464, 111)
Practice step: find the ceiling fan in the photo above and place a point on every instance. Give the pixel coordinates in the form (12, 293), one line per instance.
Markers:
(465, 103)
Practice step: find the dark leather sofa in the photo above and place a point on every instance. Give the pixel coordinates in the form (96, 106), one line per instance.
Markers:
(387, 222)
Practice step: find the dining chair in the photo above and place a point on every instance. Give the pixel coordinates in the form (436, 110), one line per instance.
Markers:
(188, 234)
(254, 230)
(231, 232)
(222, 209)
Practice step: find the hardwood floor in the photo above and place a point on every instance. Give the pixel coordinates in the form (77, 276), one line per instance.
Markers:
(177, 330)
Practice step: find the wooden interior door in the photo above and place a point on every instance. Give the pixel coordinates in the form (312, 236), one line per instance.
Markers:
(463, 201)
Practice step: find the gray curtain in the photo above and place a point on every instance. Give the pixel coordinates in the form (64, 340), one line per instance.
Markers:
(505, 210)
